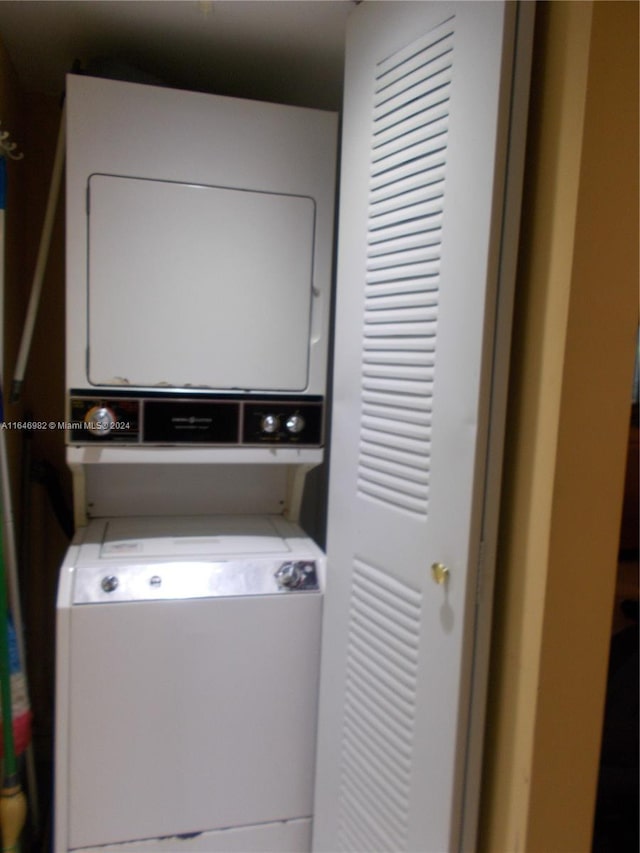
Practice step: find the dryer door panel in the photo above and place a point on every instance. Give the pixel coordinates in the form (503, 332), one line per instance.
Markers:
(201, 286)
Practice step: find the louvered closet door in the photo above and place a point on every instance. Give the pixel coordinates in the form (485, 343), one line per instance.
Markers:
(420, 216)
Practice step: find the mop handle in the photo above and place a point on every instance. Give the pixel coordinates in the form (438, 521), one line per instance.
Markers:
(41, 263)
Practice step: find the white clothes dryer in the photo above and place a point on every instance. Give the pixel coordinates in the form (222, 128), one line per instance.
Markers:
(187, 655)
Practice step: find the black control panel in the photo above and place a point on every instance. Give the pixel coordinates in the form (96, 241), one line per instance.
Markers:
(115, 419)
(274, 422)
(170, 422)
(124, 418)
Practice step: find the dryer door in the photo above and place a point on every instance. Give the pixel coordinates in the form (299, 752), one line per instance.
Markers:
(193, 285)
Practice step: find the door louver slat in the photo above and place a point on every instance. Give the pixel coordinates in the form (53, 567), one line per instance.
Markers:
(410, 473)
(430, 167)
(422, 418)
(381, 258)
(398, 330)
(399, 357)
(397, 693)
(381, 344)
(382, 667)
(380, 768)
(395, 66)
(371, 787)
(404, 233)
(409, 183)
(379, 649)
(417, 131)
(397, 402)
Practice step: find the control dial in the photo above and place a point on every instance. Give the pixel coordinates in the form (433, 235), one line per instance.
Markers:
(289, 576)
(270, 424)
(109, 583)
(295, 423)
(100, 420)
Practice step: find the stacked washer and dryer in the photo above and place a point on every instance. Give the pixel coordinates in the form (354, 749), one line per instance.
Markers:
(199, 247)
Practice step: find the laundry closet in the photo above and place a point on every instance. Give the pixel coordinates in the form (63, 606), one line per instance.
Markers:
(223, 684)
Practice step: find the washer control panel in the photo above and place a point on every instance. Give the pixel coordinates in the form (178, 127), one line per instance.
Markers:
(127, 419)
(297, 574)
(164, 580)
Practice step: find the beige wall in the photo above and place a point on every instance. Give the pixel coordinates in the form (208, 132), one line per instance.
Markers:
(576, 320)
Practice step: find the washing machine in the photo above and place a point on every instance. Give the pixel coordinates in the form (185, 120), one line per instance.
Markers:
(188, 657)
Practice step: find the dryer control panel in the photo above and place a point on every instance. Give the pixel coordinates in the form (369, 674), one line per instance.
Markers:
(125, 418)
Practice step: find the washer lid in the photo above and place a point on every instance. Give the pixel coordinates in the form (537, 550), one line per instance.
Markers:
(199, 536)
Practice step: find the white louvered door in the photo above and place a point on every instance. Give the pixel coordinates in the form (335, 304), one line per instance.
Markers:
(423, 176)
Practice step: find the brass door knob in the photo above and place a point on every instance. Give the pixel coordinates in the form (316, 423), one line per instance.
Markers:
(440, 573)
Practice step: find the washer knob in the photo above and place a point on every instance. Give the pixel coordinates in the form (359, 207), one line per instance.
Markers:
(100, 420)
(289, 576)
(109, 583)
(269, 424)
(295, 423)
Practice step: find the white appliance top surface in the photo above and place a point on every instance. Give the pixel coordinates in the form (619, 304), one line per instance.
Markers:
(194, 536)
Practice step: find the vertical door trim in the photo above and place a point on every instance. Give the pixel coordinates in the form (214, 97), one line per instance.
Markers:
(520, 22)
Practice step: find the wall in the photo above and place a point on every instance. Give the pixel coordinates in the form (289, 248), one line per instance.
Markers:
(575, 326)
(33, 124)
(43, 542)
(12, 121)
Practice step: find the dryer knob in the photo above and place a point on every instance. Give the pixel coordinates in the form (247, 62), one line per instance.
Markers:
(295, 423)
(269, 424)
(100, 421)
(289, 576)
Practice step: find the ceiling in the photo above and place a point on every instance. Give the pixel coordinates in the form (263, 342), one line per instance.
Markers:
(281, 50)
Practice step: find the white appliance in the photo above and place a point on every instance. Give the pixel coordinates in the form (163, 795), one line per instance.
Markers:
(199, 255)
(188, 660)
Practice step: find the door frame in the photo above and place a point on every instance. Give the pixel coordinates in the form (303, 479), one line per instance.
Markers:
(522, 23)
